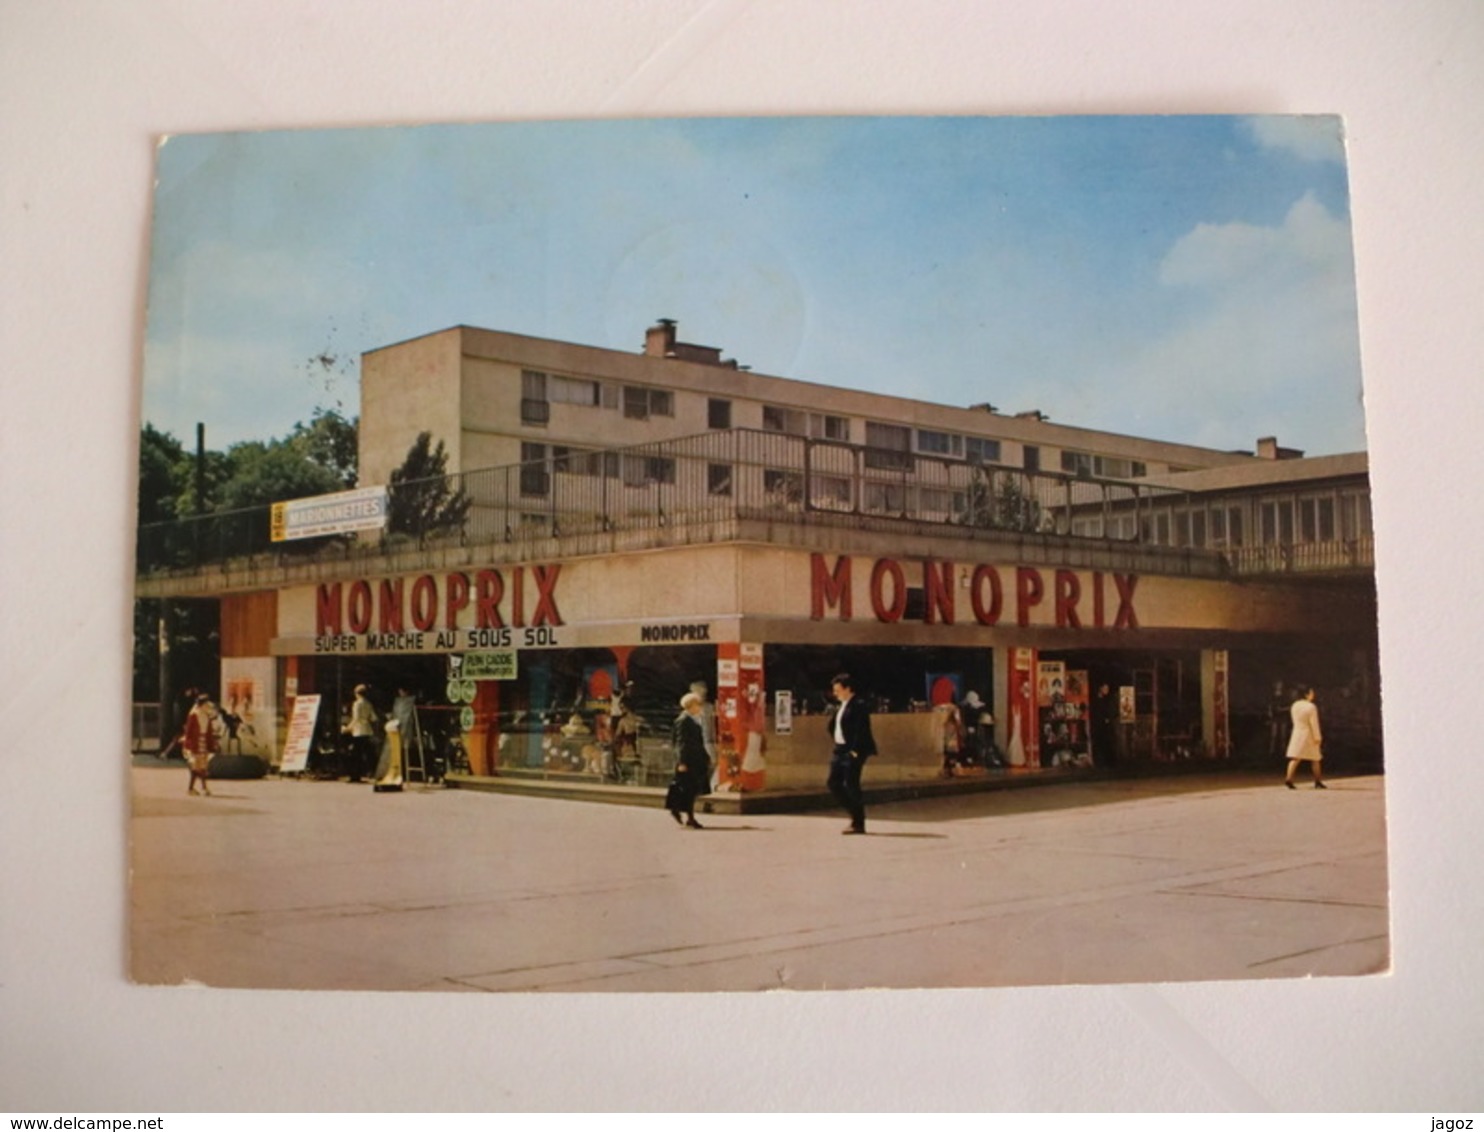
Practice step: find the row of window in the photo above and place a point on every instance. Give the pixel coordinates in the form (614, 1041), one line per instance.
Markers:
(1343, 516)
(782, 486)
(1106, 467)
(1315, 518)
(539, 391)
(889, 446)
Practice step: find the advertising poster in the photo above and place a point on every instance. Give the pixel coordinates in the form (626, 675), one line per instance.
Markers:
(1022, 747)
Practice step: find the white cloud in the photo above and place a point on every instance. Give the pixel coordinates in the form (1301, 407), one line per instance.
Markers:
(1312, 137)
(1264, 336)
(1310, 242)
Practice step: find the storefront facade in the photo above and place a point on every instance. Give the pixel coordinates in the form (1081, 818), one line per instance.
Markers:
(759, 535)
(765, 628)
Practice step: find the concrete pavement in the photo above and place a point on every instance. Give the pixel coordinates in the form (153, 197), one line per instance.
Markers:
(299, 884)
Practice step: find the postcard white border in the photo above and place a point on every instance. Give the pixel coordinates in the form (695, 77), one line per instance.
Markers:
(90, 84)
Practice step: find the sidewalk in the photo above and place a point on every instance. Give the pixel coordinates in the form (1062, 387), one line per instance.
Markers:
(286, 883)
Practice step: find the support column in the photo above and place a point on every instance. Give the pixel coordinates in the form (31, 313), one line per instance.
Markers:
(1215, 701)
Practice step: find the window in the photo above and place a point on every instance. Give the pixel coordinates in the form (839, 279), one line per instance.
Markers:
(635, 403)
(888, 446)
(1277, 523)
(641, 471)
(718, 413)
(885, 497)
(822, 426)
(639, 403)
(1326, 519)
(719, 477)
(534, 409)
(1078, 463)
(572, 391)
(1108, 467)
(785, 488)
(939, 443)
(1031, 458)
(1088, 528)
(1234, 526)
(777, 419)
(935, 500)
(981, 450)
(1355, 516)
(1198, 529)
(1308, 514)
(534, 478)
(830, 492)
(576, 461)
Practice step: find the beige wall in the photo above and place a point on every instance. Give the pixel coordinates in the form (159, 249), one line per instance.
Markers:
(422, 384)
(408, 389)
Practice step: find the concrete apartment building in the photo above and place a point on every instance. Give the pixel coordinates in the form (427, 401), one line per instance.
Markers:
(667, 516)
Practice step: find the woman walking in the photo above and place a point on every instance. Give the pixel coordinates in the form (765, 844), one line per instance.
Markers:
(692, 767)
(200, 742)
(1305, 744)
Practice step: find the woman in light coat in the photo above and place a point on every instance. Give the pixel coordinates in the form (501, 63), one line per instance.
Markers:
(1305, 744)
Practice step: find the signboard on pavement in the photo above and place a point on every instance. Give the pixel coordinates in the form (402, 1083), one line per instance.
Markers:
(301, 735)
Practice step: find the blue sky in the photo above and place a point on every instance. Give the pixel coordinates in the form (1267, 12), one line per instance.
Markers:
(1184, 278)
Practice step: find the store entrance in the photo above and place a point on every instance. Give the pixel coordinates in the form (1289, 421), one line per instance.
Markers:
(335, 679)
(1141, 707)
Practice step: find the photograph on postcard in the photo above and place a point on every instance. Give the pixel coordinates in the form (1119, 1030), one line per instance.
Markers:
(553, 536)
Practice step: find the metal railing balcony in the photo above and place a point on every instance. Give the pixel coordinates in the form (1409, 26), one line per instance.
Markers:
(697, 488)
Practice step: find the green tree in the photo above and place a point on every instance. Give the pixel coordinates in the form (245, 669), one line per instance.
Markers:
(421, 500)
(331, 442)
(1000, 501)
(162, 462)
(259, 474)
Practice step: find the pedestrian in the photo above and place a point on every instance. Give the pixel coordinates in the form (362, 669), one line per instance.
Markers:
(708, 718)
(625, 747)
(692, 767)
(951, 736)
(1105, 726)
(850, 728)
(200, 742)
(362, 730)
(1306, 742)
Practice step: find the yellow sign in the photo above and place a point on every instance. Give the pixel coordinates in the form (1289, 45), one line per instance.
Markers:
(499, 665)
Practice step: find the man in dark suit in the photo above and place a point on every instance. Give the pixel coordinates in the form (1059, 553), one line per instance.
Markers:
(850, 729)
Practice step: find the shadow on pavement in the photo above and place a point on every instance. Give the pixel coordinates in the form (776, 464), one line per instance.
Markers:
(1066, 796)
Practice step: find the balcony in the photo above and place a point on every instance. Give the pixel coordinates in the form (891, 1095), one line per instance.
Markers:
(726, 485)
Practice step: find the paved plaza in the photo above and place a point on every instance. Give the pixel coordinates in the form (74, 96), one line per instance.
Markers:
(303, 884)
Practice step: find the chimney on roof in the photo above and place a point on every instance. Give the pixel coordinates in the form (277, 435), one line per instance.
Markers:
(1269, 449)
(660, 342)
(659, 339)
